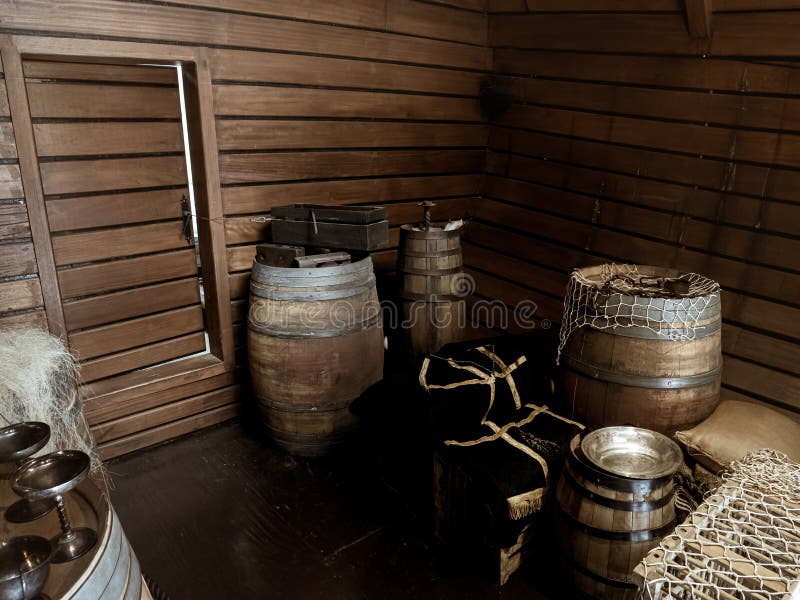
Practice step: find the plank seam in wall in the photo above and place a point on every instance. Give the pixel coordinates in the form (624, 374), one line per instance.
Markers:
(233, 11)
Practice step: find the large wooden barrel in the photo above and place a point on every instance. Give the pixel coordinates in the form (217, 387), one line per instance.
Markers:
(110, 571)
(635, 369)
(605, 524)
(432, 287)
(315, 344)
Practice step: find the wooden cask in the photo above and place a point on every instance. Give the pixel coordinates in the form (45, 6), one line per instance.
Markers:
(635, 370)
(432, 288)
(315, 344)
(605, 525)
(110, 571)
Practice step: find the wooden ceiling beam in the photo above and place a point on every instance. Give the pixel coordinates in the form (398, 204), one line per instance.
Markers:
(698, 18)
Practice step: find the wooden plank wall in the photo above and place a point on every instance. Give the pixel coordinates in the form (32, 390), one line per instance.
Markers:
(363, 101)
(21, 303)
(631, 141)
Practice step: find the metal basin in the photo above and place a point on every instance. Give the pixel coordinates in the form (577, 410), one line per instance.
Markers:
(51, 475)
(22, 440)
(632, 452)
(24, 567)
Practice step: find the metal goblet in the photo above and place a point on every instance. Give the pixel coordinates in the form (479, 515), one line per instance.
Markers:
(52, 476)
(18, 442)
(24, 567)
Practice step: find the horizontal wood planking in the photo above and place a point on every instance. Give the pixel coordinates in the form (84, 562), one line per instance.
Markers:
(118, 242)
(20, 294)
(92, 139)
(88, 100)
(521, 6)
(114, 209)
(164, 414)
(8, 146)
(281, 135)
(700, 106)
(131, 272)
(10, 182)
(135, 332)
(28, 320)
(631, 175)
(732, 75)
(735, 34)
(98, 310)
(261, 198)
(271, 67)
(82, 176)
(87, 71)
(724, 144)
(282, 166)
(128, 360)
(762, 382)
(17, 259)
(267, 101)
(98, 412)
(122, 20)
(14, 222)
(168, 431)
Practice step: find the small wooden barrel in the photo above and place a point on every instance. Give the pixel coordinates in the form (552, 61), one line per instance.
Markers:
(432, 288)
(315, 344)
(606, 524)
(640, 375)
(109, 571)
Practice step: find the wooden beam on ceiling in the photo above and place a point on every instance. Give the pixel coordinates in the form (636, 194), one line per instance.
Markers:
(698, 18)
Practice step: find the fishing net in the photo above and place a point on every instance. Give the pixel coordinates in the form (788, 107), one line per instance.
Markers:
(742, 542)
(666, 303)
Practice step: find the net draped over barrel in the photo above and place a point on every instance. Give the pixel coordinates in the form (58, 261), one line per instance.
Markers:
(432, 287)
(315, 344)
(641, 346)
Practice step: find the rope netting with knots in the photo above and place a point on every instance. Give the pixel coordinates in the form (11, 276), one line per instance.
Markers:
(742, 542)
(668, 304)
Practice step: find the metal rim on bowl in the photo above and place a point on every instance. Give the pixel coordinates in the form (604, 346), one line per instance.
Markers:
(632, 452)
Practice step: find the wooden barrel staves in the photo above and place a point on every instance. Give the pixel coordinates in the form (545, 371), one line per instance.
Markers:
(315, 344)
(649, 359)
(110, 571)
(605, 525)
(432, 287)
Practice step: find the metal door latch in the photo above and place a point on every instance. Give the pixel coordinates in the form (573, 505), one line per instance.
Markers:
(187, 219)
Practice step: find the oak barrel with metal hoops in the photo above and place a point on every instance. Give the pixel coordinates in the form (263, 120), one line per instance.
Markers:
(315, 344)
(431, 279)
(110, 571)
(644, 372)
(605, 524)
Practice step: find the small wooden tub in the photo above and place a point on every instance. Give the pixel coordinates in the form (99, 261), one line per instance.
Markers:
(110, 571)
(315, 344)
(606, 524)
(431, 275)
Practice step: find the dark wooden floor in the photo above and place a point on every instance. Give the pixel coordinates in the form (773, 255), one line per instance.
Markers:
(222, 514)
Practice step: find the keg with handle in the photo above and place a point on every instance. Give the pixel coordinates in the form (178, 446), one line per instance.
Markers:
(651, 361)
(431, 280)
(315, 344)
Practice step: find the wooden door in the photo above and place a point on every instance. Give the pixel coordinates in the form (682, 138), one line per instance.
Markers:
(110, 146)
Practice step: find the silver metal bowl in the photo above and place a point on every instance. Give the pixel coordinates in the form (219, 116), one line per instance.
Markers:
(632, 452)
(22, 440)
(51, 475)
(24, 567)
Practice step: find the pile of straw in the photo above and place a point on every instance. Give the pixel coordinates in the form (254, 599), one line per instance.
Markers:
(39, 382)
